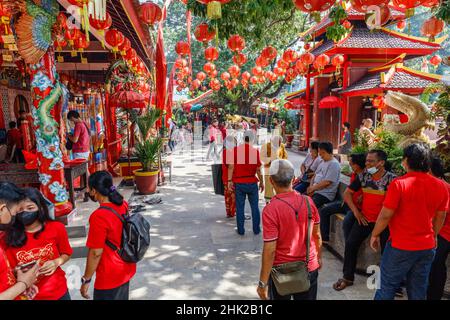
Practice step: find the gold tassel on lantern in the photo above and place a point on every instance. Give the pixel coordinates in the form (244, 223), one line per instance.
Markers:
(214, 10)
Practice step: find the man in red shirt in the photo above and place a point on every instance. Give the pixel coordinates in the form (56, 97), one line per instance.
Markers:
(80, 137)
(415, 208)
(438, 274)
(285, 221)
(242, 172)
(14, 138)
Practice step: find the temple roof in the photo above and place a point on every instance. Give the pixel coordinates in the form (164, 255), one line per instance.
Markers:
(353, 15)
(381, 42)
(298, 94)
(394, 77)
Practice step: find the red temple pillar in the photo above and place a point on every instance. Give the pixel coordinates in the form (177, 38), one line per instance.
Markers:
(46, 93)
(307, 119)
(315, 116)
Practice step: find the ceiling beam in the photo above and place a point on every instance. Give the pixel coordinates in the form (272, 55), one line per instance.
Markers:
(70, 66)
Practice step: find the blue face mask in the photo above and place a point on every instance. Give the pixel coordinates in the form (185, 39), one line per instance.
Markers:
(372, 170)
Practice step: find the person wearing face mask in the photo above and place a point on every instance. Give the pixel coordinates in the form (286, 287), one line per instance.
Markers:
(22, 283)
(373, 182)
(34, 236)
(113, 275)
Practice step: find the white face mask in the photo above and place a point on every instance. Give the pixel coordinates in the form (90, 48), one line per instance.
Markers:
(372, 170)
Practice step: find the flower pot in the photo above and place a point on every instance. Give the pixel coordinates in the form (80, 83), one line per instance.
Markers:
(146, 182)
(289, 139)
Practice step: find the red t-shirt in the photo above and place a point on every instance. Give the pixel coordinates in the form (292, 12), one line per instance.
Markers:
(49, 245)
(356, 194)
(373, 192)
(445, 231)
(246, 163)
(81, 132)
(415, 198)
(280, 224)
(7, 278)
(112, 271)
(15, 138)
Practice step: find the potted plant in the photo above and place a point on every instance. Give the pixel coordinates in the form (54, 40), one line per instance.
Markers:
(147, 151)
(289, 133)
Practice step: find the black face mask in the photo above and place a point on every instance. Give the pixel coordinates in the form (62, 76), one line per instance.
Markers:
(27, 217)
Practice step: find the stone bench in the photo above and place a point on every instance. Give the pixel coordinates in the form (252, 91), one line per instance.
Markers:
(366, 256)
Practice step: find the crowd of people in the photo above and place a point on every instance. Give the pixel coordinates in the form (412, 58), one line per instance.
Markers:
(33, 246)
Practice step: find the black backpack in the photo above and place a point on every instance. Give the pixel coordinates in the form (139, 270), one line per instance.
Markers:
(135, 237)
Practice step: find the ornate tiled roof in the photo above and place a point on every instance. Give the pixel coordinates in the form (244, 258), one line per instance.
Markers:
(366, 83)
(327, 45)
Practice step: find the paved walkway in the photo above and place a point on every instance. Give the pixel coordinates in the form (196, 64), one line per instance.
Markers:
(195, 252)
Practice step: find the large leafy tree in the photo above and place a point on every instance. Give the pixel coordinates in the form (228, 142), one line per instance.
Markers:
(259, 22)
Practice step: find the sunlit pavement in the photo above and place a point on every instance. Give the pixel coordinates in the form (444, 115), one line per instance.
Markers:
(195, 252)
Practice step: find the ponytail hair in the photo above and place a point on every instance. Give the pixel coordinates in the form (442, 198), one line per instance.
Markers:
(102, 182)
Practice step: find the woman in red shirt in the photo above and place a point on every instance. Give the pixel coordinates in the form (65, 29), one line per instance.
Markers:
(35, 237)
(113, 275)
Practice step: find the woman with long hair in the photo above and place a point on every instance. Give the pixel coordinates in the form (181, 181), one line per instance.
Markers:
(34, 237)
(113, 275)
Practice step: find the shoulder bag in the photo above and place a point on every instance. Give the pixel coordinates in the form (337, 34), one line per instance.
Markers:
(293, 277)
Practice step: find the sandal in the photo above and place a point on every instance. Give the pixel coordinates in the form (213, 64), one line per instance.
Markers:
(341, 284)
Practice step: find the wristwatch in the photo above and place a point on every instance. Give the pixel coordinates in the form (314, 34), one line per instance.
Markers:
(85, 281)
(262, 285)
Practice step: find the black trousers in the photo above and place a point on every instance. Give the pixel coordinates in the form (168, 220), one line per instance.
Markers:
(438, 274)
(357, 235)
(65, 297)
(311, 294)
(319, 200)
(326, 212)
(119, 293)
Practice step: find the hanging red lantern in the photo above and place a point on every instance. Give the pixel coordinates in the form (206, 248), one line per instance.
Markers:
(225, 76)
(114, 38)
(291, 73)
(279, 71)
(378, 102)
(300, 66)
(269, 53)
(290, 56)
(151, 13)
(234, 71)
(240, 59)
(321, 61)
(234, 82)
(71, 35)
(435, 60)
(254, 80)
(182, 48)
(214, 84)
(347, 24)
(60, 43)
(307, 46)
(262, 62)
(125, 46)
(246, 75)
(130, 55)
(401, 25)
(338, 61)
(236, 43)
(244, 83)
(407, 5)
(432, 27)
(430, 3)
(307, 58)
(196, 84)
(314, 7)
(257, 71)
(201, 76)
(81, 43)
(214, 74)
(209, 67)
(101, 25)
(362, 5)
(211, 54)
(179, 89)
(61, 20)
(282, 64)
(204, 34)
(261, 79)
(180, 63)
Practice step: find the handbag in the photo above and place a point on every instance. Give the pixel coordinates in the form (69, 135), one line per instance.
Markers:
(293, 277)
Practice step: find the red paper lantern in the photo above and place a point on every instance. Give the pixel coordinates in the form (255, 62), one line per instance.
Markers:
(71, 35)
(211, 54)
(338, 61)
(314, 7)
(234, 82)
(130, 55)
(290, 56)
(213, 74)
(114, 38)
(322, 60)
(257, 71)
(196, 84)
(435, 60)
(307, 46)
(81, 42)
(151, 13)
(201, 76)
(125, 46)
(282, 64)
(225, 76)
(378, 102)
(291, 73)
(234, 71)
(182, 48)
(180, 63)
(209, 67)
(307, 58)
(254, 80)
(204, 34)
(101, 25)
(430, 3)
(269, 53)
(401, 25)
(236, 43)
(261, 79)
(244, 83)
(432, 27)
(246, 75)
(279, 71)
(407, 5)
(214, 84)
(347, 24)
(301, 67)
(60, 43)
(362, 5)
(240, 59)
(262, 62)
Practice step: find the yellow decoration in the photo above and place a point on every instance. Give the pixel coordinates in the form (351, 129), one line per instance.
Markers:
(214, 10)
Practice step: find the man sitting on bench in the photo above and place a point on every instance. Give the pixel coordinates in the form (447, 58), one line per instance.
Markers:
(373, 182)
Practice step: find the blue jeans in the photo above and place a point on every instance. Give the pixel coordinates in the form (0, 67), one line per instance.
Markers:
(396, 265)
(250, 190)
(301, 187)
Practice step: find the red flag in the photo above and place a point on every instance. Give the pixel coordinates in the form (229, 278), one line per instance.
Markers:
(169, 98)
(188, 28)
(161, 72)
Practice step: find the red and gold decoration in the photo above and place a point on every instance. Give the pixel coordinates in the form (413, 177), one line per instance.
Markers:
(378, 103)
(236, 43)
(407, 5)
(338, 61)
(214, 8)
(204, 34)
(432, 27)
(114, 38)
(151, 13)
(314, 7)
(211, 54)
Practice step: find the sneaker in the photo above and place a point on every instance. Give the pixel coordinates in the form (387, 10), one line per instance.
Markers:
(399, 293)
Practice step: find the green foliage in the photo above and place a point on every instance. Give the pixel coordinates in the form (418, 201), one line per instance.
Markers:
(336, 32)
(443, 11)
(147, 121)
(147, 148)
